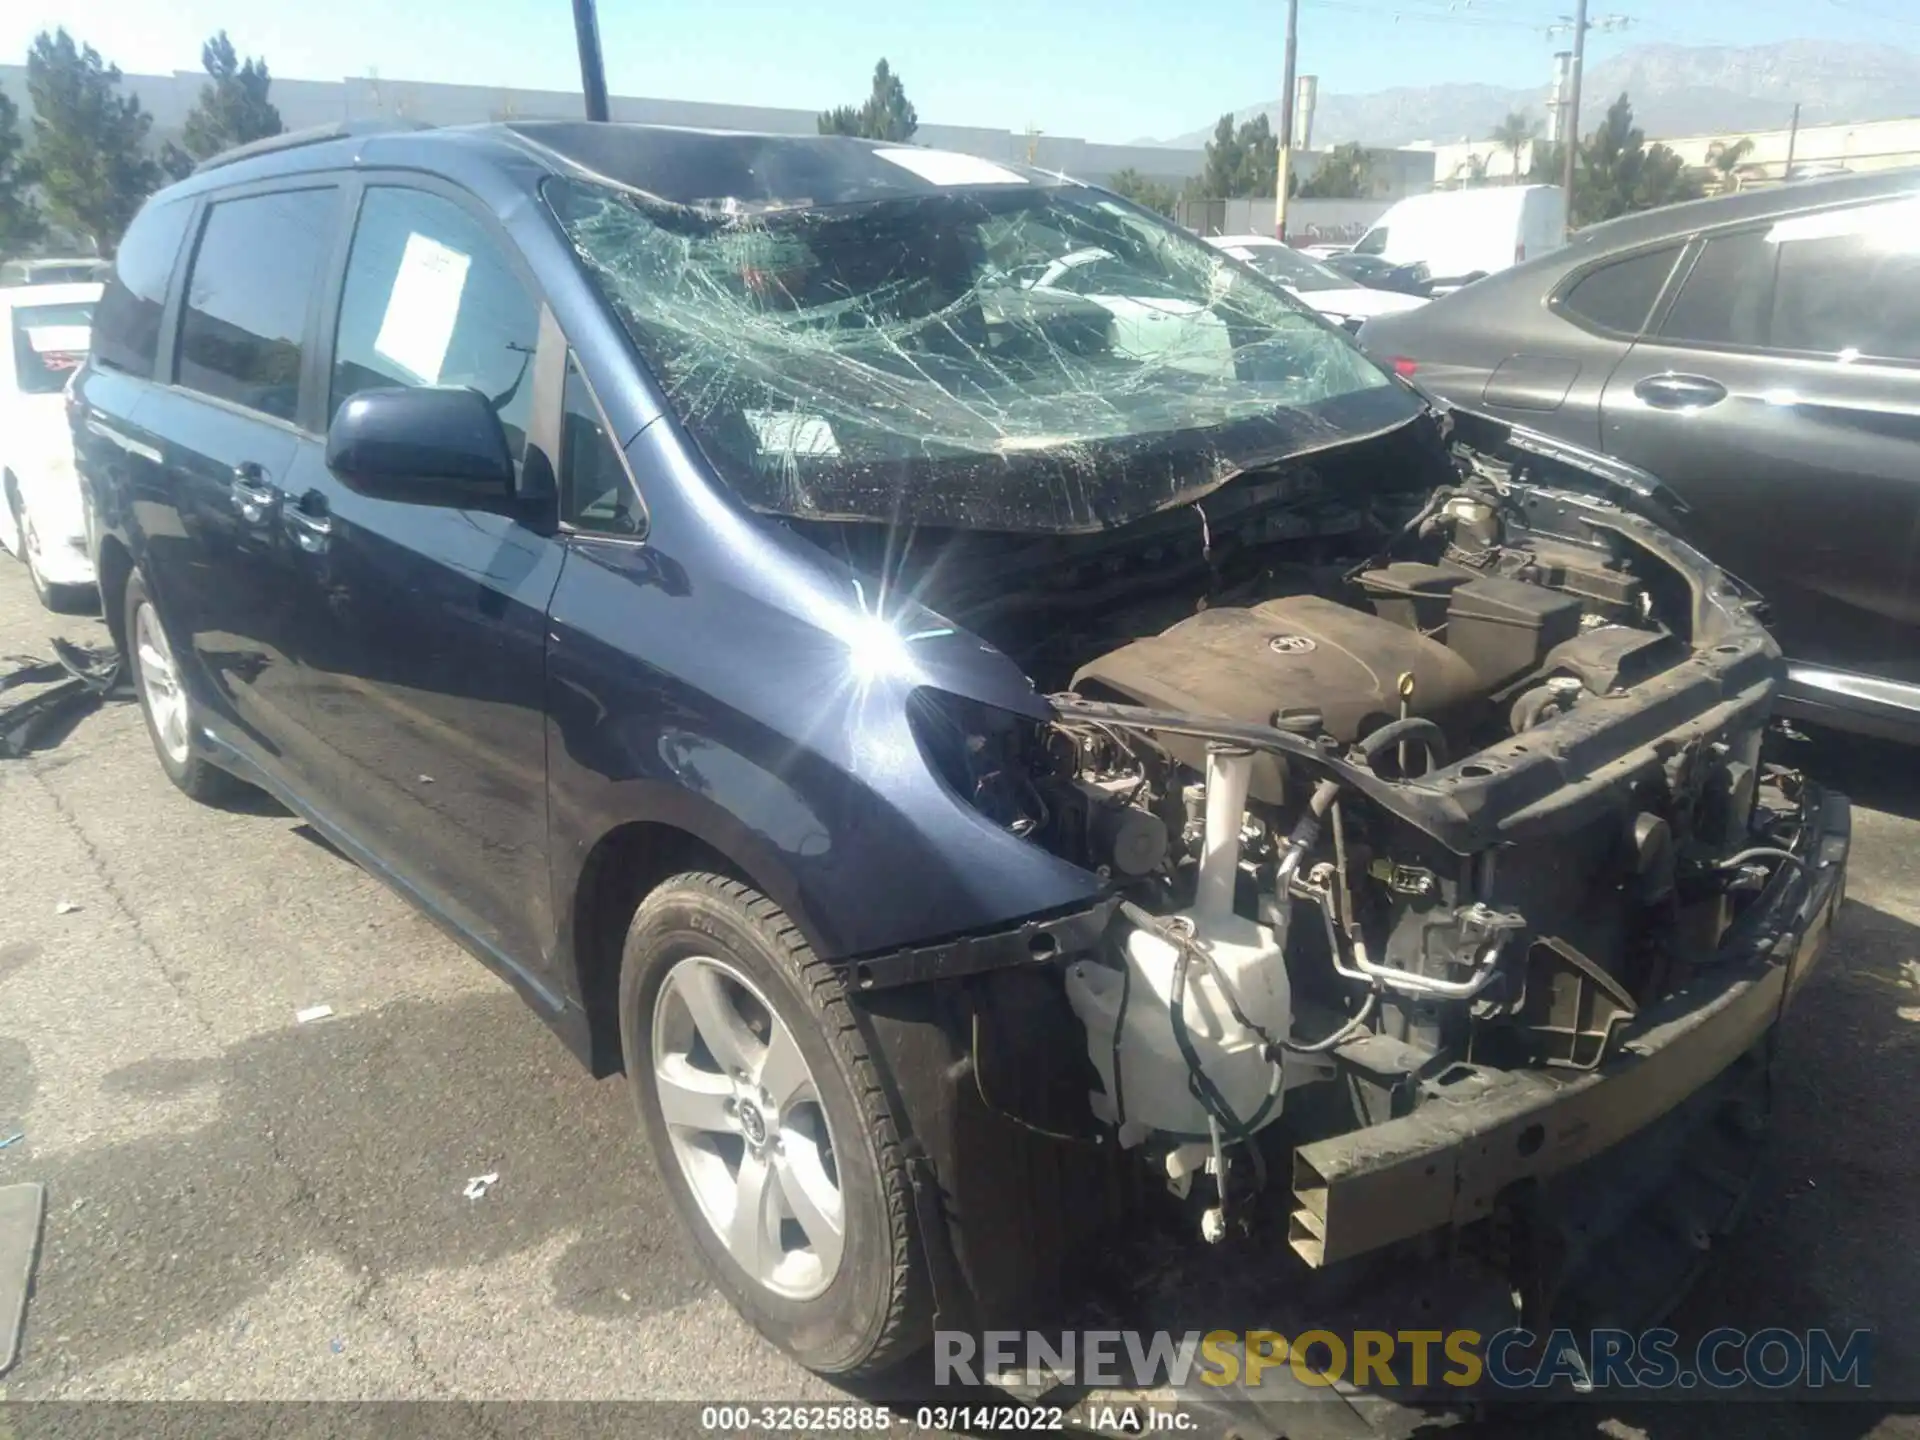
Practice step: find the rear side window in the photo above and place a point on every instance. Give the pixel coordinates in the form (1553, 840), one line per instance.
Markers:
(127, 329)
(1620, 296)
(431, 299)
(245, 321)
(1848, 282)
(1724, 298)
(595, 491)
(49, 342)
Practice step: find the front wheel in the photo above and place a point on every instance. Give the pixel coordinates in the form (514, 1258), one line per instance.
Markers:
(770, 1125)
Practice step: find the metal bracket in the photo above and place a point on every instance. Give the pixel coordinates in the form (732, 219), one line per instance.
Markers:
(1037, 941)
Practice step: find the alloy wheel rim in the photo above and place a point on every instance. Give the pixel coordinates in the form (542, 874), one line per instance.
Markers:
(160, 686)
(747, 1127)
(29, 547)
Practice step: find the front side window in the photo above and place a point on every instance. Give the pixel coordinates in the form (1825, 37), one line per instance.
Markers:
(128, 337)
(431, 299)
(1026, 356)
(596, 492)
(244, 327)
(49, 342)
(1620, 296)
(1374, 242)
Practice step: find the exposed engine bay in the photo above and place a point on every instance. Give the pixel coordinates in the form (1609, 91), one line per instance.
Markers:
(1386, 780)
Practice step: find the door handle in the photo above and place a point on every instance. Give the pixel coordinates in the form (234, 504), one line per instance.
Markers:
(310, 527)
(252, 493)
(1680, 392)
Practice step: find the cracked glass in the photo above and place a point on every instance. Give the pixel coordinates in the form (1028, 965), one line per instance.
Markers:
(1014, 355)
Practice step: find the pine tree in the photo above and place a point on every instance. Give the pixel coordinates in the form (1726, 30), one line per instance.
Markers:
(887, 114)
(20, 223)
(89, 141)
(233, 107)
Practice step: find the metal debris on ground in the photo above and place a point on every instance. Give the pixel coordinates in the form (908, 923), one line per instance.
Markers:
(311, 1013)
(13, 1139)
(477, 1186)
(77, 680)
(22, 1208)
(66, 907)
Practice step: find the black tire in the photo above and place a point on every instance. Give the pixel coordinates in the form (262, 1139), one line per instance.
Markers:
(195, 776)
(877, 1309)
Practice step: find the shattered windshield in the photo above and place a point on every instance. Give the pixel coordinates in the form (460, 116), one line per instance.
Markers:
(1289, 267)
(1011, 356)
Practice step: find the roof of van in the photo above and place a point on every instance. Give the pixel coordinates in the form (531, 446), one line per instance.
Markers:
(677, 164)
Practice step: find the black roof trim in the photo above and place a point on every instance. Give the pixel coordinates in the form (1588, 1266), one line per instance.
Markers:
(313, 135)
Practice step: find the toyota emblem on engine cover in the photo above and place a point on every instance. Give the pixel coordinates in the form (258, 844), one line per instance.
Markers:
(1290, 644)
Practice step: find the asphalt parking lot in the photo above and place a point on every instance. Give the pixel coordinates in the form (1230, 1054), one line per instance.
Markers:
(243, 1206)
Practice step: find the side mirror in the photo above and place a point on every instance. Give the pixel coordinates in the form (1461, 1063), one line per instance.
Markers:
(424, 446)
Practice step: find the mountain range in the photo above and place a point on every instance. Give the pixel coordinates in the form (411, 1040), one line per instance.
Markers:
(1676, 90)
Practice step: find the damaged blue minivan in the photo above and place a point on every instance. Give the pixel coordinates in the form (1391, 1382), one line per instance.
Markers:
(1001, 723)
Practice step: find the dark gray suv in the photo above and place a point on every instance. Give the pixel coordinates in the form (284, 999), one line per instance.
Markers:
(1760, 353)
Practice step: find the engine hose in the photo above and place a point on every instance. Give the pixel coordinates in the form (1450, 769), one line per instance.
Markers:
(1345, 1033)
(1408, 727)
(1305, 831)
(1531, 708)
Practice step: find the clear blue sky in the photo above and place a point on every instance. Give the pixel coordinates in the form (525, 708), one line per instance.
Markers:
(1105, 69)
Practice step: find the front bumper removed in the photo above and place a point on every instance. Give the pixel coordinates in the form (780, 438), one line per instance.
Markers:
(1481, 1131)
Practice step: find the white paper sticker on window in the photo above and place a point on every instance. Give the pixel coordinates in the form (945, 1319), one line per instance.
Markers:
(59, 339)
(785, 432)
(949, 167)
(422, 308)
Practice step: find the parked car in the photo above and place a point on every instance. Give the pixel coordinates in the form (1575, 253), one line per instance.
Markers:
(1334, 296)
(1758, 353)
(1378, 274)
(42, 520)
(929, 745)
(1150, 320)
(1463, 235)
(53, 272)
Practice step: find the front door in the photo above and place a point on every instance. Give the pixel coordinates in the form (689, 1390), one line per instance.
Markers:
(1780, 395)
(424, 628)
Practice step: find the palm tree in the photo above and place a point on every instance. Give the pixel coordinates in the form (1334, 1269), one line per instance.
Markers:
(1725, 157)
(1513, 134)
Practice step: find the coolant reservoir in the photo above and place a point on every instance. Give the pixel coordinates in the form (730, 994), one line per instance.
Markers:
(1151, 1092)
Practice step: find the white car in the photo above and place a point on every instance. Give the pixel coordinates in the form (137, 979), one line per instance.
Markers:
(1174, 332)
(44, 335)
(1332, 294)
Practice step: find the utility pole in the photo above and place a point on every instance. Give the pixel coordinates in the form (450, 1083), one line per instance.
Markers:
(593, 70)
(1570, 121)
(1793, 140)
(1285, 168)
